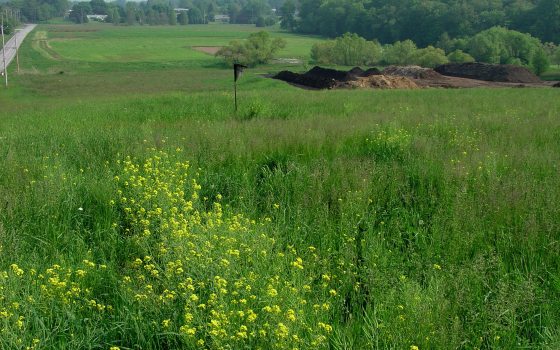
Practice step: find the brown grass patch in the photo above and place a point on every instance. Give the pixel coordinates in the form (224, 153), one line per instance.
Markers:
(211, 50)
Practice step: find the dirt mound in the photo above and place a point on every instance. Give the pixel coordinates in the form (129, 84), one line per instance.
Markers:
(312, 81)
(467, 75)
(370, 72)
(415, 72)
(357, 71)
(489, 72)
(384, 82)
(327, 73)
(326, 78)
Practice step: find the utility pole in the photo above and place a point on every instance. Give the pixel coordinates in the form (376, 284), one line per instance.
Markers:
(4, 52)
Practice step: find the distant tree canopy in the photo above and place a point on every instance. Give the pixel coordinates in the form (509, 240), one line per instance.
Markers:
(495, 45)
(79, 12)
(425, 21)
(259, 48)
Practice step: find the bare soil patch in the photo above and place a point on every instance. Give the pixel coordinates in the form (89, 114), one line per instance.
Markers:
(60, 29)
(384, 82)
(211, 50)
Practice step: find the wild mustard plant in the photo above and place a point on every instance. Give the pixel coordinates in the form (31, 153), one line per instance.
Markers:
(234, 285)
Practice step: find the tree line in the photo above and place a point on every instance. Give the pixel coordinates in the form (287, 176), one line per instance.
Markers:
(422, 21)
(10, 19)
(495, 45)
(152, 12)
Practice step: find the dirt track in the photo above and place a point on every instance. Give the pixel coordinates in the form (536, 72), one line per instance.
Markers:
(211, 50)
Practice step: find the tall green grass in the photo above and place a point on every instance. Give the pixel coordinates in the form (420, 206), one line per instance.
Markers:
(437, 209)
(393, 219)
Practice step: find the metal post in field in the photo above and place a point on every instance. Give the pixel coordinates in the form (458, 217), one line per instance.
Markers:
(4, 51)
(237, 70)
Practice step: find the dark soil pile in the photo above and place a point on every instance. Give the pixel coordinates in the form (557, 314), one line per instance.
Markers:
(489, 72)
(370, 72)
(311, 81)
(325, 78)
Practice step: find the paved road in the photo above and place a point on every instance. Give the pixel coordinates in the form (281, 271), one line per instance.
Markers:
(10, 47)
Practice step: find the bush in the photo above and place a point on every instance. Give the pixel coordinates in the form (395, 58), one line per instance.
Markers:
(259, 48)
(322, 53)
(430, 57)
(500, 45)
(349, 50)
(400, 53)
(458, 56)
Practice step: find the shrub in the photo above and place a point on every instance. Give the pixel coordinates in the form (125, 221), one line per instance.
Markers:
(430, 57)
(349, 49)
(458, 56)
(259, 48)
(400, 53)
(501, 45)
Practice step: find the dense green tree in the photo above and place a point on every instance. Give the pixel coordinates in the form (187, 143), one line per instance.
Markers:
(10, 20)
(260, 22)
(172, 17)
(183, 18)
(400, 53)
(349, 49)
(501, 45)
(234, 10)
(429, 57)
(98, 7)
(195, 16)
(259, 48)
(288, 13)
(79, 12)
(425, 21)
(547, 20)
(130, 11)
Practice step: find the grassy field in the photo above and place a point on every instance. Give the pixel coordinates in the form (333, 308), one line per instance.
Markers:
(138, 211)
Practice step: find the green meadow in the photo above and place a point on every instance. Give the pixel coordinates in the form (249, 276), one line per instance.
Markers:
(139, 211)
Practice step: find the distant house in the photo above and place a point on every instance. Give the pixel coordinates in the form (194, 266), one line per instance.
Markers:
(99, 18)
(221, 18)
(179, 10)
